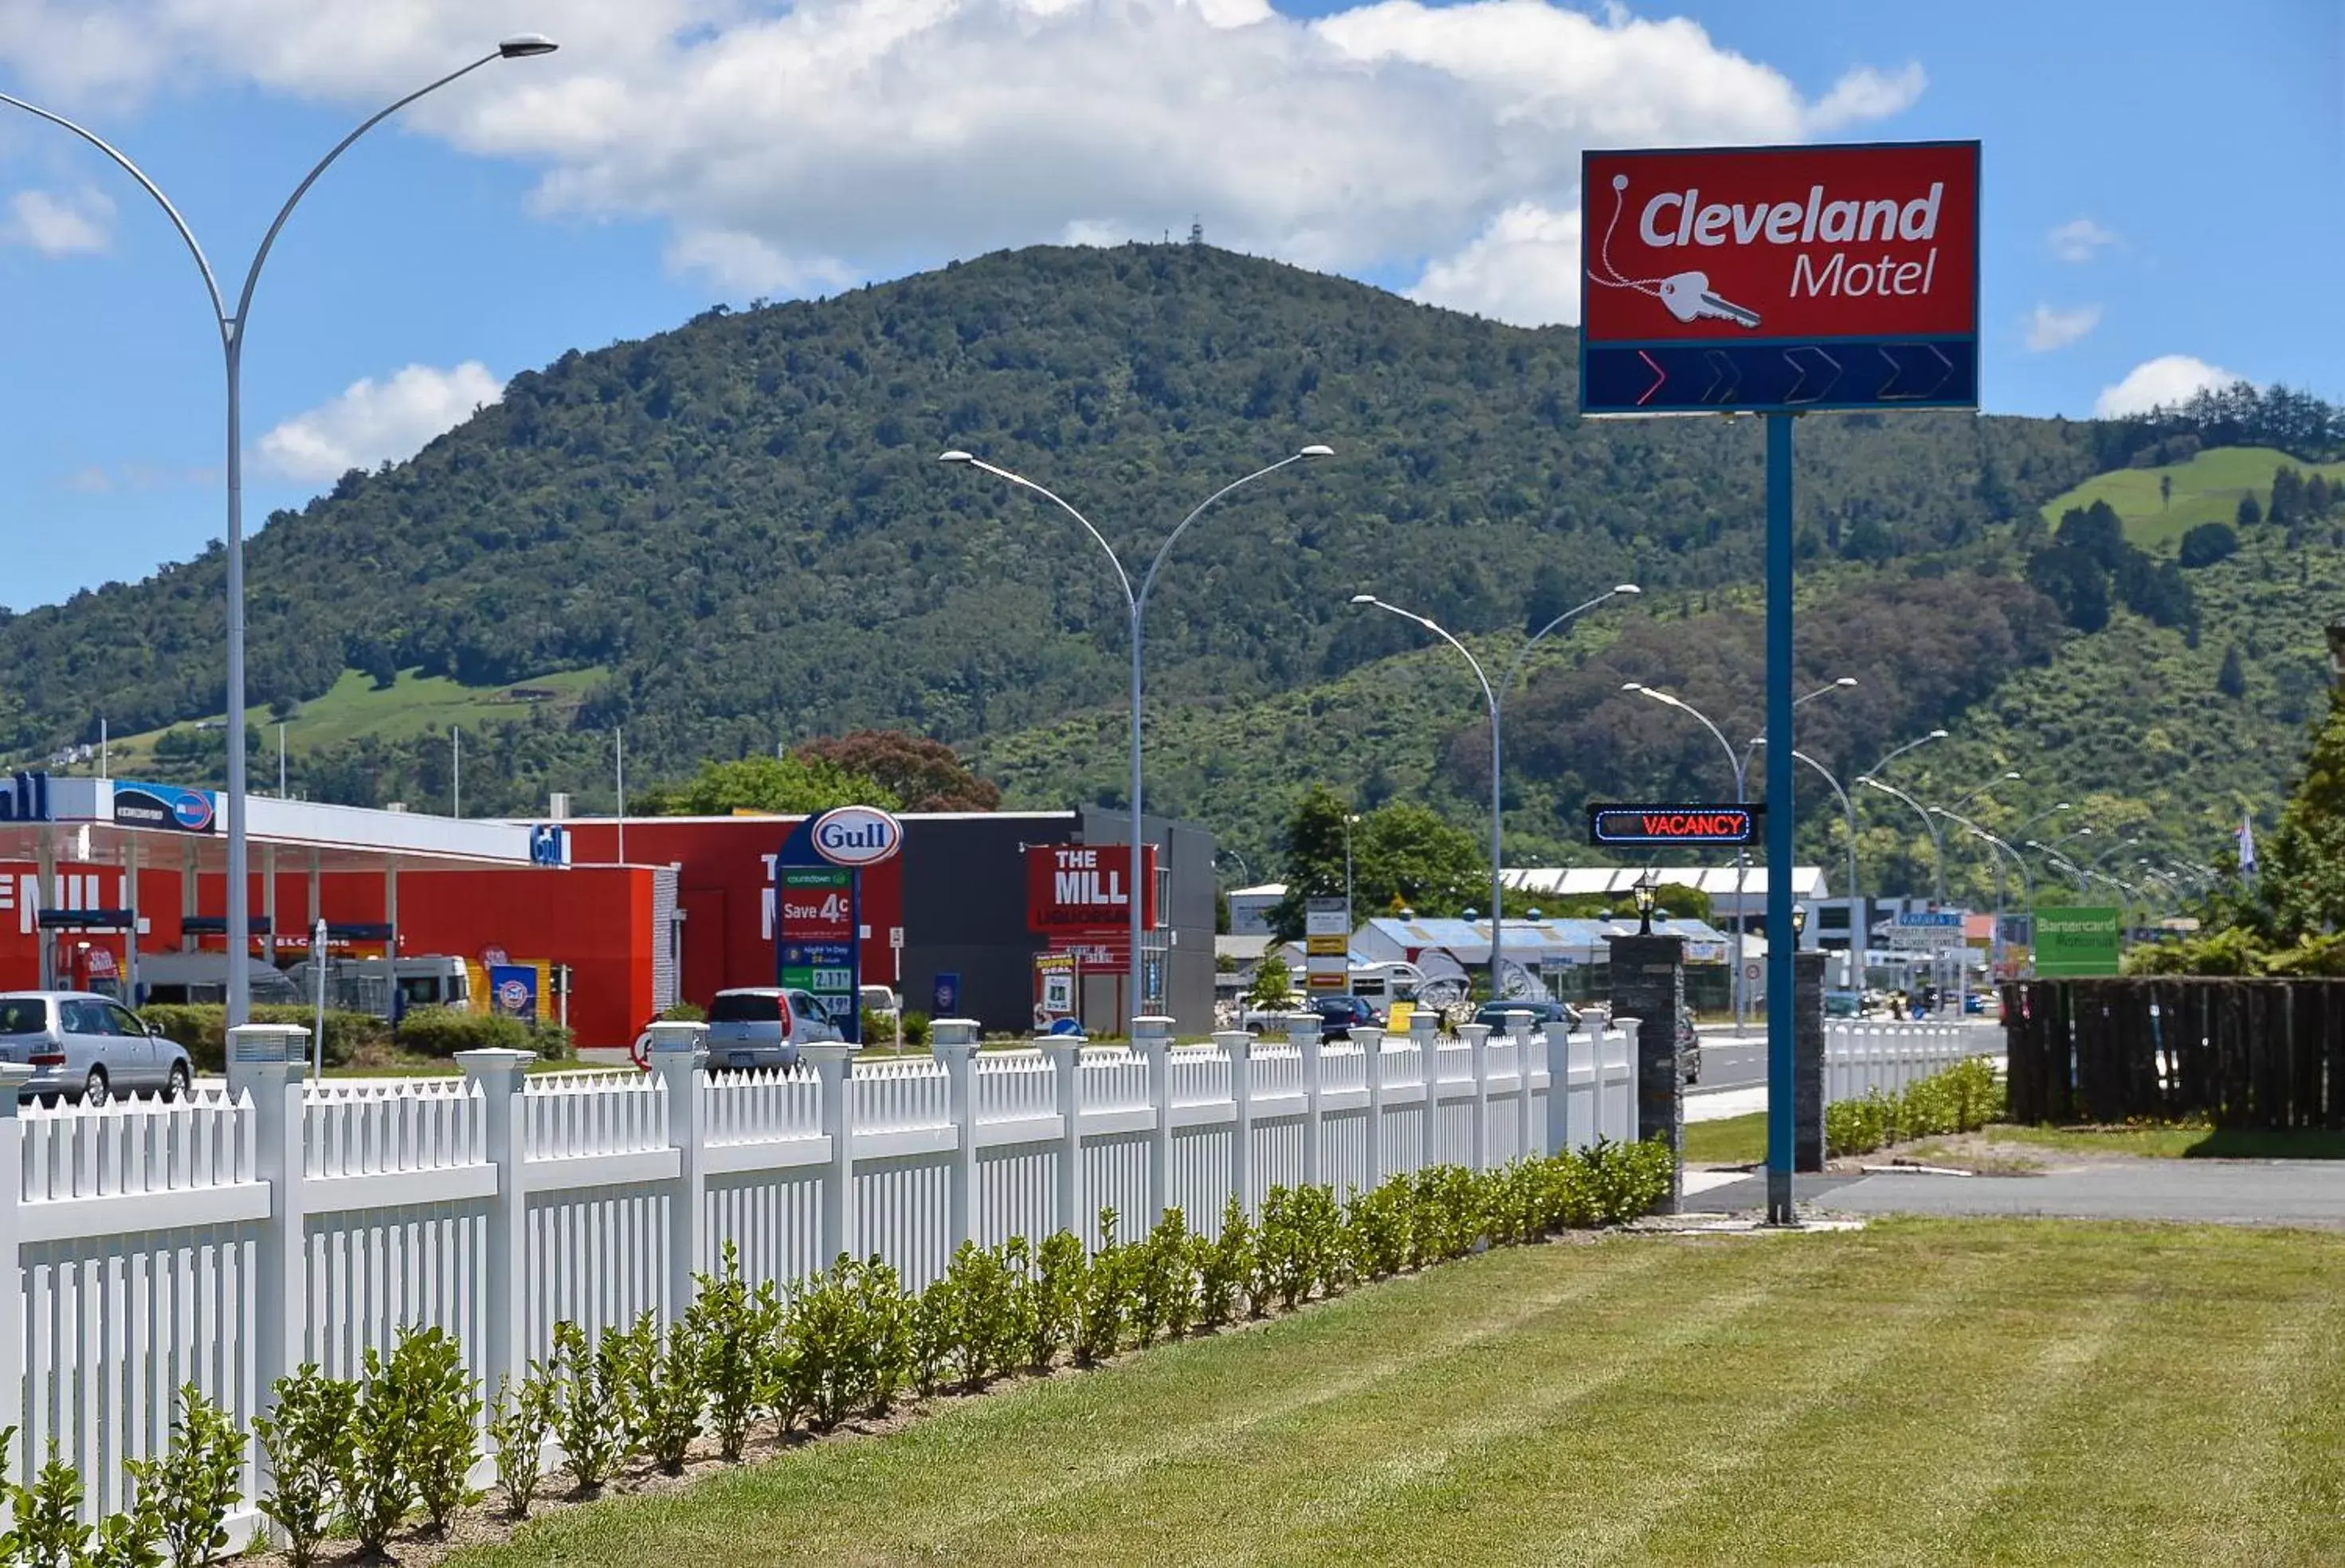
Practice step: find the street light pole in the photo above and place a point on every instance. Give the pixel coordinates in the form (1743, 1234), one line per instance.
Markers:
(231, 325)
(1493, 697)
(1135, 601)
(1735, 761)
(1857, 932)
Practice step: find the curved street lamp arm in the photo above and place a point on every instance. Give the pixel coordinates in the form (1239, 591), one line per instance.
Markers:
(211, 284)
(1122, 576)
(252, 276)
(1174, 537)
(1522, 658)
(1490, 694)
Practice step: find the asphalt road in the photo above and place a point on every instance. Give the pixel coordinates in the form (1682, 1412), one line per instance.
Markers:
(2224, 1191)
(1732, 1061)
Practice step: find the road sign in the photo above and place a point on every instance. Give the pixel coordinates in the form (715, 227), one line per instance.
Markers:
(895, 937)
(1780, 279)
(2076, 941)
(1670, 824)
(1928, 932)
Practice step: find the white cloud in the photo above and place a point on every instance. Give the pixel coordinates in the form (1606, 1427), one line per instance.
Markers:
(73, 224)
(1523, 268)
(2080, 239)
(2048, 329)
(371, 422)
(801, 148)
(2161, 383)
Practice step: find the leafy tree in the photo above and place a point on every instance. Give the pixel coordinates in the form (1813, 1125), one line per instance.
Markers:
(792, 785)
(2073, 580)
(924, 774)
(1406, 851)
(1312, 843)
(2096, 530)
(2208, 543)
(1274, 984)
(2232, 680)
(2286, 506)
(2319, 496)
(2250, 513)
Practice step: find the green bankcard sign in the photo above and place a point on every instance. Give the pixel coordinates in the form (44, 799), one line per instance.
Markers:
(2076, 942)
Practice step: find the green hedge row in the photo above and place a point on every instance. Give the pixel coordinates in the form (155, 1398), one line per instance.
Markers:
(428, 1031)
(1963, 1098)
(363, 1457)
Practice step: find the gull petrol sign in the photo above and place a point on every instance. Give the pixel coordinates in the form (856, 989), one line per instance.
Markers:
(1780, 279)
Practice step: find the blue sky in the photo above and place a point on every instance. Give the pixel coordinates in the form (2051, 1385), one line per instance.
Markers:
(2162, 188)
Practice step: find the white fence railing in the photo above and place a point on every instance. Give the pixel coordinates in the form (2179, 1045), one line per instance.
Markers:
(1861, 1057)
(226, 1241)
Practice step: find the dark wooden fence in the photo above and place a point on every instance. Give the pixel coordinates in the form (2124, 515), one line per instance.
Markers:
(2243, 1053)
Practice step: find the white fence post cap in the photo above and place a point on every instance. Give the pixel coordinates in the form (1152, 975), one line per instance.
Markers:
(1151, 1028)
(677, 1034)
(1474, 1034)
(263, 1043)
(488, 1061)
(951, 1032)
(820, 1052)
(1236, 1042)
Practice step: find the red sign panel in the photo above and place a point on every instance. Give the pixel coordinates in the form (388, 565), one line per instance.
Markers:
(1803, 243)
(1087, 887)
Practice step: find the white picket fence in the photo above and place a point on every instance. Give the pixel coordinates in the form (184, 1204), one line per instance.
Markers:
(228, 1239)
(1860, 1057)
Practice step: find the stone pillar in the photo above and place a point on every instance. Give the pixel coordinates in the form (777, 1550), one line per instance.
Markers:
(1808, 1061)
(1649, 985)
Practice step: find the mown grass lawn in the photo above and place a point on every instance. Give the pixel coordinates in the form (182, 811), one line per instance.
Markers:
(1735, 1140)
(1940, 1393)
(2169, 1142)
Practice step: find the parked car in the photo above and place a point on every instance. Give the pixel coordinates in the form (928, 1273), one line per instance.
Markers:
(763, 1026)
(1844, 1005)
(87, 1047)
(1337, 1015)
(1545, 1013)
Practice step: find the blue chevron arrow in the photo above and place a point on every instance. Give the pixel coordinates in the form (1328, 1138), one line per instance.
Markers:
(1916, 360)
(1809, 363)
(1725, 377)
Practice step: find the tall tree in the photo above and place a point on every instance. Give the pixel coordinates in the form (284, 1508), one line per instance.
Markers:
(2232, 680)
(791, 785)
(924, 774)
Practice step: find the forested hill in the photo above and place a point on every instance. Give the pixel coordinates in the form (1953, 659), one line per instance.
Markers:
(743, 526)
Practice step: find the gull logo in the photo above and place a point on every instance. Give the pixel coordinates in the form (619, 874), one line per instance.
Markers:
(192, 811)
(855, 835)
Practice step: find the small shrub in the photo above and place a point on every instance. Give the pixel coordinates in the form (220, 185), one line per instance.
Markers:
(48, 1531)
(429, 1370)
(982, 1310)
(931, 1333)
(1224, 1265)
(916, 1031)
(1106, 1302)
(302, 1438)
(661, 1401)
(850, 1333)
(518, 1423)
(378, 1475)
(730, 1325)
(444, 1031)
(1058, 1292)
(684, 1012)
(193, 1483)
(588, 1423)
(1163, 1291)
(552, 1042)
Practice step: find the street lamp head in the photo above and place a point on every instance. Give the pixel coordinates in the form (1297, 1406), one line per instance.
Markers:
(1845, 681)
(2011, 775)
(1626, 588)
(522, 45)
(1633, 685)
(1363, 599)
(955, 456)
(1316, 452)
(1937, 735)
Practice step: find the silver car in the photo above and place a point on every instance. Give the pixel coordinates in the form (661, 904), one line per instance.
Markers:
(87, 1047)
(763, 1026)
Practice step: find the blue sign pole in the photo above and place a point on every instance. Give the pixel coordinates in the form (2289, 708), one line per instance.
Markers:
(1781, 1124)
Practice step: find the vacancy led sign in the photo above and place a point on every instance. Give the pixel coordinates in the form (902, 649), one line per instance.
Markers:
(1671, 823)
(1779, 278)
